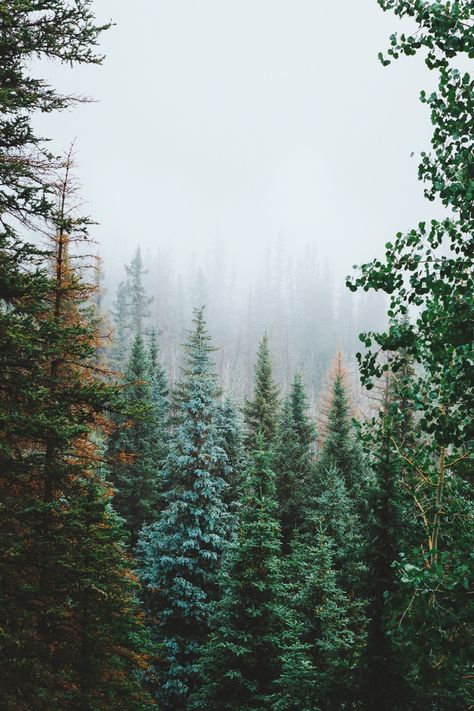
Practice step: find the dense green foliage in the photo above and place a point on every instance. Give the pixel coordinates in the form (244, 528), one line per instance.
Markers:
(293, 461)
(261, 412)
(275, 569)
(136, 447)
(240, 661)
(180, 554)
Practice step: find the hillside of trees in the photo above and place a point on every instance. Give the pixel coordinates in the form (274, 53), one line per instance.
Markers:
(214, 500)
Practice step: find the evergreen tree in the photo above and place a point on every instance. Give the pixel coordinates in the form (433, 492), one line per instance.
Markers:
(293, 461)
(324, 634)
(131, 311)
(47, 447)
(230, 437)
(103, 643)
(334, 513)
(136, 447)
(119, 350)
(384, 685)
(340, 447)
(261, 412)
(158, 384)
(139, 302)
(180, 554)
(240, 662)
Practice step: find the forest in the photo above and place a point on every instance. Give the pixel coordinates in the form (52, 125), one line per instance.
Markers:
(225, 496)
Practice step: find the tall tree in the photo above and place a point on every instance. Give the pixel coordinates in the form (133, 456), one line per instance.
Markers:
(261, 412)
(50, 478)
(384, 684)
(430, 268)
(324, 634)
(158, 383)
(131, 311)
(293, 461)
(240, 662)
(340, 447)
(136, 447)
(139, 302)
(180, 554)
(121, 340)
(230, 436)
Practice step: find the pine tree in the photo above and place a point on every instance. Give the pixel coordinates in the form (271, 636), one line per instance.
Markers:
(47, 485)
(340, 447)
(324, 635)
(104, 643)
(334, 513)
(240, 662)
(136, 447)
(158, 384)
(293, 461)
(131, 311)
(261, 412)
(180, 554)
(383, 681)
(121, 342)
(139, 302)
(230, 437)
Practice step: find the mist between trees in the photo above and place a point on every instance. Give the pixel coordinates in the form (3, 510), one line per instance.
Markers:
(308, 313)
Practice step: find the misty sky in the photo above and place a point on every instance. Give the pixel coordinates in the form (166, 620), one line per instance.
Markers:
(255, 120)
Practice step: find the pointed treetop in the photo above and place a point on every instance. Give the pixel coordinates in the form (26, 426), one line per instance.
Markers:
(336, 400)
(261, 412)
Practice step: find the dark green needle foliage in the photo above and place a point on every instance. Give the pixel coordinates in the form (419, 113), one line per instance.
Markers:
(131, 312)
(390, 525)
(340, 447)
(334, 513)
(293, 461)
(240, 662)
(261, 412)
(324, 635)
(158, 384)
(55, 565)
(101, 640)
(121, 341)
(136, 447)
(50, 403)
(139, 302)
(180, 554)
(230, 433)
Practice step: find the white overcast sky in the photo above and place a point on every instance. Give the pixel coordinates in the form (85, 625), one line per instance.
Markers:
(252, 119)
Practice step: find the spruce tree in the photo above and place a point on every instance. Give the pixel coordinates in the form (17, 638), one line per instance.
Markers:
(139, 302)
(121, 341)
(158, 385)
(324, 635)
(230, 434)
(293, 461)
(131, 312)
(261, 412)
(181, 553)
(340, 447)
(383, 684)
(334, 513)
(49, 453)
(240, 662)
(102, 644)
(136, 446)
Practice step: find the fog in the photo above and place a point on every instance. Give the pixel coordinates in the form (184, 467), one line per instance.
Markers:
(241, 131)
(254, 121)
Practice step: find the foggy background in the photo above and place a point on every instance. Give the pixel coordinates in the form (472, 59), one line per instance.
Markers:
(258, 133)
